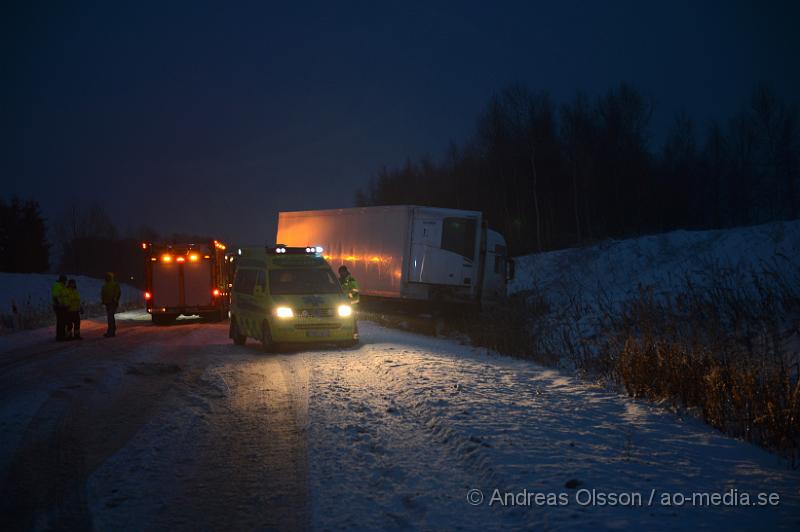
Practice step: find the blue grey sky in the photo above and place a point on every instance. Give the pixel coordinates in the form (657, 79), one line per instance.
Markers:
(211, 117)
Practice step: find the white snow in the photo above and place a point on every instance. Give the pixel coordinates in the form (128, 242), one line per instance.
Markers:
(394, 434)
(580, 288)
(616, 269)
(402, 428)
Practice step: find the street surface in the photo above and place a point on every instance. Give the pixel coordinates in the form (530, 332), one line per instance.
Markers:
(175, 428)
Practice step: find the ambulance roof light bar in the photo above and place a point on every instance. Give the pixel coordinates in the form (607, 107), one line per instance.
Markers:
(282, 249)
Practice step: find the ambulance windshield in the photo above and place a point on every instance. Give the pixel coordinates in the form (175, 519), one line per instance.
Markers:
(303, 282)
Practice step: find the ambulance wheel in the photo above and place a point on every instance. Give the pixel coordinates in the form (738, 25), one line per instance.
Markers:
(234, 334)
(348, 344)
(267, 345)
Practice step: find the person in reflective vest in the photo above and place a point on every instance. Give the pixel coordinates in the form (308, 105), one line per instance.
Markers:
(109, 295)
(57, 293)
(72, 302)
(349, 284)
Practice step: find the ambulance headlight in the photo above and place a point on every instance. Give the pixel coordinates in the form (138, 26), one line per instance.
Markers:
(345, 310)
(284, 312)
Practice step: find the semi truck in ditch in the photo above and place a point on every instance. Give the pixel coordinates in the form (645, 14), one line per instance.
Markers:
(186, 279)
(408, 252)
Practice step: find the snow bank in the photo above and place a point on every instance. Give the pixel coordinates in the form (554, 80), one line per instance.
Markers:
(31, 294)
(578, 293)
(616, 269)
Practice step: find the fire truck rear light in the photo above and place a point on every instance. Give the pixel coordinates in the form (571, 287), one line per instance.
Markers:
(148, 295)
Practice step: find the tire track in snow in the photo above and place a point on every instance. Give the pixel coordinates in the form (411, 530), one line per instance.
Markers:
(74, 430)
(238, 456)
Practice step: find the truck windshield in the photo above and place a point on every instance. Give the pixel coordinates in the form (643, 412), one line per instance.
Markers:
(303, 282)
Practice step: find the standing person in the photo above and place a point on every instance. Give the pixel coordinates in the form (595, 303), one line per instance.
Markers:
(349, 284)
(109, 295)
(72, 300)
(57, 292)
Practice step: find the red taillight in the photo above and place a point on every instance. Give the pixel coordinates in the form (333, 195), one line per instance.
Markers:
(215, 292)
(148, 295)
(180, 259)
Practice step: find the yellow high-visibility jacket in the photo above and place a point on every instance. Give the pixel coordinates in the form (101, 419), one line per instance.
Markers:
(110, 292)
(72, 299)
(350, 288)
(57, 293)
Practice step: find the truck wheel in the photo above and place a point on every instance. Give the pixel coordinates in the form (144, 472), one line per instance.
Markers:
(234, 334)
(267, 345)
(163, 319)
(213, 317)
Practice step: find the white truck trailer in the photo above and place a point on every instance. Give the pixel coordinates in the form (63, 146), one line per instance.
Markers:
(408, 252)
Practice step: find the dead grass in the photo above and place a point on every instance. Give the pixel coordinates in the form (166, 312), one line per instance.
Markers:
(726, 346)
(503, 328)
(727, 349)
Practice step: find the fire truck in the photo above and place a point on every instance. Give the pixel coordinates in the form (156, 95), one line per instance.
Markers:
(186, 279)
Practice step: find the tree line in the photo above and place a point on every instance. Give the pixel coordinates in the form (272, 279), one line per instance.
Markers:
(85, 241)
(24, 247)
(90, 243)
(551, 176)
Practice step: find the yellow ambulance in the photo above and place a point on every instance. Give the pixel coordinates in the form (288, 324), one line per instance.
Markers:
(289, 295)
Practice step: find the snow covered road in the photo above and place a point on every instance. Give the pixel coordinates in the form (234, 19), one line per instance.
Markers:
(176, 428)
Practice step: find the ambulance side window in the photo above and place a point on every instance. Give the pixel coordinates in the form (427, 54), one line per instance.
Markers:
(245, 281)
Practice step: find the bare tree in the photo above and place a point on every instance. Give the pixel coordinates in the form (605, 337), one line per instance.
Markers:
(79, 222)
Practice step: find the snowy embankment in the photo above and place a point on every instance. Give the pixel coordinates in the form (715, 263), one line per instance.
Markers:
(30, 293)
(579, 288)
(617, 269)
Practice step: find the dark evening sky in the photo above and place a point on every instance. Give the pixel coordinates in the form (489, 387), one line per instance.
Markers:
(210, 118)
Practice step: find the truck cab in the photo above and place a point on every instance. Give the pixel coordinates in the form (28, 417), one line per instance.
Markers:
(498, 270)
(289, 295)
